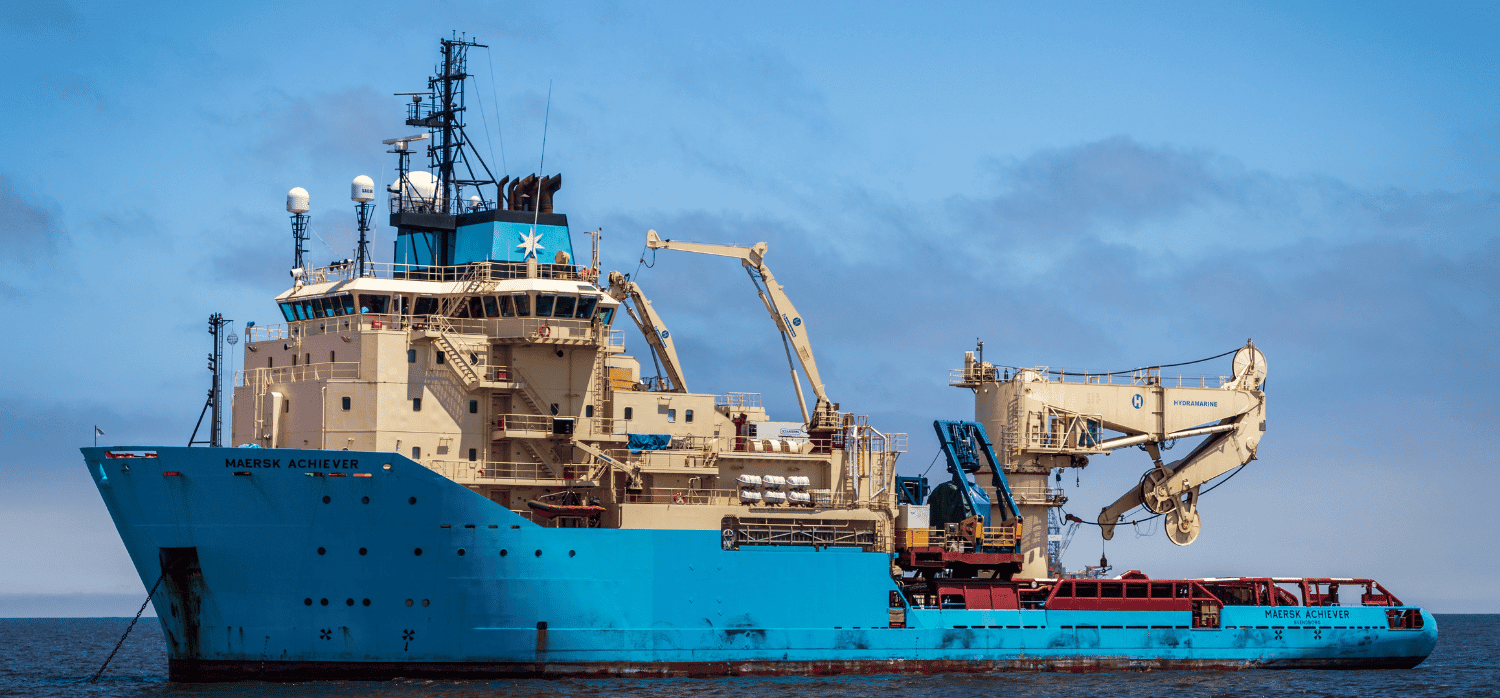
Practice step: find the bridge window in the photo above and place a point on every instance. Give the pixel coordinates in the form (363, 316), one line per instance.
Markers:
(476, 307)
(507, 308)
(491, 308)
(288, 312)
(323, 307)
(544, 303)
(586, 306)
(523, 304)
(426, 305)
(608, 314)
(371, 303)
(564, 307)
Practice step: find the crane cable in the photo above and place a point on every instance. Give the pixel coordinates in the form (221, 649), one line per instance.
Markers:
(1136, 521)
(1131, 371)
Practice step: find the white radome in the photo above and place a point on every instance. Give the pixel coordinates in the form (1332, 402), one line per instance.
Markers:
(423, 186)
(296, 200)
(362, 190)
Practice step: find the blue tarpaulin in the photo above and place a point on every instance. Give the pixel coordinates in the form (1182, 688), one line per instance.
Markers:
(649, 442)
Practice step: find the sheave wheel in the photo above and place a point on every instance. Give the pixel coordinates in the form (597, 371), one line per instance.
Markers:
(1180, 530)
(1154, 492)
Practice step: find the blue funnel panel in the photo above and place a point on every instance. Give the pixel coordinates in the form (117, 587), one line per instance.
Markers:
(503, 241)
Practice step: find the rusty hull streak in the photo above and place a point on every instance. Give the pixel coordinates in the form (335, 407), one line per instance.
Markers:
(202, 671)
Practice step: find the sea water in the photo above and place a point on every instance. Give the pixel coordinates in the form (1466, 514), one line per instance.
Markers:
(56, 657)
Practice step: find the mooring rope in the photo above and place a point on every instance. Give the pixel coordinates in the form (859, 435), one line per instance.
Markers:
(121, 643)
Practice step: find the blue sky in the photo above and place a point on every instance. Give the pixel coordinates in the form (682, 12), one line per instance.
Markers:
(1100, 186)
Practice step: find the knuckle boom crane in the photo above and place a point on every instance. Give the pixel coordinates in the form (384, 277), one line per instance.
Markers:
(1053, 419)
(825, 415)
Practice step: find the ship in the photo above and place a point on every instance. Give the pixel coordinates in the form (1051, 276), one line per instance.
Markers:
(447, 466)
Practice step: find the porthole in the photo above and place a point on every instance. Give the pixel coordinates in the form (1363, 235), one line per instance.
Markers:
(411, 500)
(387, 466)
(364, 500)
(307, 601)
(323, 601)
(572, 553)
(538, 553)
(366, 602)
(408, 603)
(417, 552)
(504, 552)
(327, 499)
(460, 552)
(322, 551)
(363, 551)
(424, 603)
(349, 602)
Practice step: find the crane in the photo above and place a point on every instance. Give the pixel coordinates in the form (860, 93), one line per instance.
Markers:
(1053, 419)
(825, 415)
(651, 326)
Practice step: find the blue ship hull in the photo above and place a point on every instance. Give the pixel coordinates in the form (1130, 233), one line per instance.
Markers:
(289, 564)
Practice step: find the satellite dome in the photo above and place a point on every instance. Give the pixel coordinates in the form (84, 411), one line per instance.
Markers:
(296, 200)
(422, 186)
(362, 190)
(475, 203)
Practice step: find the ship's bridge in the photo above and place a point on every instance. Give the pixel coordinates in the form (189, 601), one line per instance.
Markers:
(560, 303)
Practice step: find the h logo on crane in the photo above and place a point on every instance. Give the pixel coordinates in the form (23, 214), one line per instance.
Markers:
(1136, 401)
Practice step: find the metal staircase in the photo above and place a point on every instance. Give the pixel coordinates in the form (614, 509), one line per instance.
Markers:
(460, 366)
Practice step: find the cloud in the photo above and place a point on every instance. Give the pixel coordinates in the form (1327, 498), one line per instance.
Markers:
(30, 232)
(42, 16)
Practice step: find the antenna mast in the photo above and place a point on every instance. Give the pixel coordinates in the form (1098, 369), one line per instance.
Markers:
(297, 205)
(216, 323)
(443, 115)
(362, 193)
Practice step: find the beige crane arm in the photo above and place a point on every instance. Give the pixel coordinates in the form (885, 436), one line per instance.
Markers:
(783, 312)
(651, 326)
(1172, 489)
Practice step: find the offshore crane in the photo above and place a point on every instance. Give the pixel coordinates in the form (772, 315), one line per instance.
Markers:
(652, 328)
(825, 416)
(1051, 419)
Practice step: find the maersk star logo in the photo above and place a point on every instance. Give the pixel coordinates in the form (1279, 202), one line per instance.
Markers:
(531, 243)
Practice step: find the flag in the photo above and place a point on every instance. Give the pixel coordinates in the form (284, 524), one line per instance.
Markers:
(98, 431)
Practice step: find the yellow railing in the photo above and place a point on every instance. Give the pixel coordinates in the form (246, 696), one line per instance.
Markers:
(1006, 536)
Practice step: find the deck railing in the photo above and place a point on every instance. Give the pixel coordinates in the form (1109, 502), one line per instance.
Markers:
(961, 378)
(261, 377)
